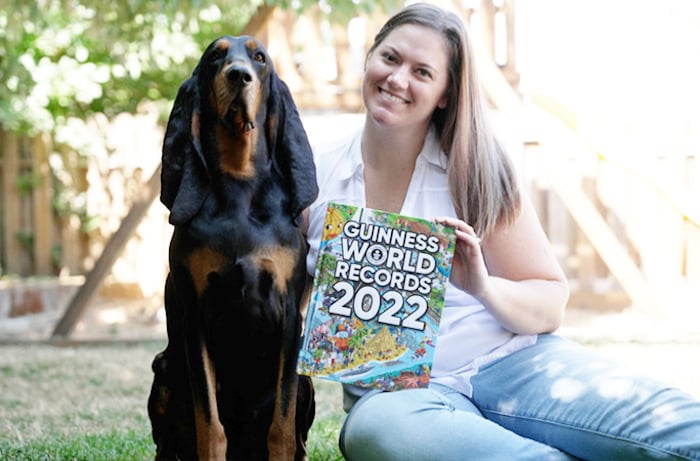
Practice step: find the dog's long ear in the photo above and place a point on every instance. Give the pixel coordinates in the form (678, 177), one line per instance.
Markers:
(184, 175)
(290, 150)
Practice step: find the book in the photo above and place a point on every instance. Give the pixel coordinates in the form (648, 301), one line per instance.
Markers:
(377, 298)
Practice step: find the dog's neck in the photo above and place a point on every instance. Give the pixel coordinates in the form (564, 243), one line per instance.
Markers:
(236, 152)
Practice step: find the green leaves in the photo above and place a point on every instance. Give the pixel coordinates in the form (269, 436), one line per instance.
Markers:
(63, 59)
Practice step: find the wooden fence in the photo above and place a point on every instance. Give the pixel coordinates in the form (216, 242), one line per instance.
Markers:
(32, 234)
(627, 233)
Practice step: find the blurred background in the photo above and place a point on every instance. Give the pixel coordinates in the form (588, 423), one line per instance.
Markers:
(597, 101)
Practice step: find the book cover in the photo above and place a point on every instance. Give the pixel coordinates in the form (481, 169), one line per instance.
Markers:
(377, 298)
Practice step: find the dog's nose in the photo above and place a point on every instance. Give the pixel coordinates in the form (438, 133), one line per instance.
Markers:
(239, 74)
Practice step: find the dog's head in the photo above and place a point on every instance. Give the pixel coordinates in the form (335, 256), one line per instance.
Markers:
(233, 73)
(230, 112)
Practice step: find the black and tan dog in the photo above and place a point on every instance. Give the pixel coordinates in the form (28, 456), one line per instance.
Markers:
(237, 172)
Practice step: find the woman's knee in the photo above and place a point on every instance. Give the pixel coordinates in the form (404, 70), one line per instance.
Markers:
(377, 422)
(390, 425)
(370, 418)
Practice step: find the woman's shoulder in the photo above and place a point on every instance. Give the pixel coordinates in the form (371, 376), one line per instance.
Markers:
(337, 159)
(335, 148)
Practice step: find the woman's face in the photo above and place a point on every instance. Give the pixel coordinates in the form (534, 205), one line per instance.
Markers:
(406, 77)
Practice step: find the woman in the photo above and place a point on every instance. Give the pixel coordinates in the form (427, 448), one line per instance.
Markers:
(502, 387)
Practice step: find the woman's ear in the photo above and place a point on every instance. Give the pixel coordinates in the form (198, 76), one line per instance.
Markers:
(442, 104)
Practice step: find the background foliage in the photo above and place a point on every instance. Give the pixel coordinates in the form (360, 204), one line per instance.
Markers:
(63, 60)
(69, 67)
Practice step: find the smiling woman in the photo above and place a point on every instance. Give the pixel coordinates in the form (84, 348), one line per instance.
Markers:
(501, 386)
(407, 75)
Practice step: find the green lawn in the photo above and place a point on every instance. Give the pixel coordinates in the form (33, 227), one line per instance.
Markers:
(89, 403)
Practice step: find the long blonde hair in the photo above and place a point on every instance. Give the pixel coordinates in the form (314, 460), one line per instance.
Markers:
(482, 180)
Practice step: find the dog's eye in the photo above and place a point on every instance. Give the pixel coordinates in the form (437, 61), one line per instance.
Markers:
(215, 55)
(259, 57)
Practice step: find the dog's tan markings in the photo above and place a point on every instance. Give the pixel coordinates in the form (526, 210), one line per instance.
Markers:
(211, 438)
(252, 98)
(222, 45)
(237, 152)
(201, 263)
(278, 261)
(236, 139)
(271, 123)
(195, 126)
(251, 44)
(220, 99)
(281, 438)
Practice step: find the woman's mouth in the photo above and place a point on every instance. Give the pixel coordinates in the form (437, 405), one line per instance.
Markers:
(391, 97)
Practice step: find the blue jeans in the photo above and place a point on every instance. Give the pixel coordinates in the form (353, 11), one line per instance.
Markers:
(554, 400)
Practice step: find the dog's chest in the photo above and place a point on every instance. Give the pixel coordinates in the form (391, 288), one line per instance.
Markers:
(241, 228)
(240, 242)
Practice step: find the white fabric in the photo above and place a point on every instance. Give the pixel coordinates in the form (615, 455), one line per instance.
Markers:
(469, 335)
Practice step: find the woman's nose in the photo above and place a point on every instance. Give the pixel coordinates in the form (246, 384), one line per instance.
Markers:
(398, 78)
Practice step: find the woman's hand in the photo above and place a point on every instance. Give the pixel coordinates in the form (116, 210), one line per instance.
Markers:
(513, 272)
(469, 272)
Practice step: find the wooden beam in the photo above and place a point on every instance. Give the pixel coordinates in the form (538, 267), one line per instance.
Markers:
(603, 240)
(257, 23)
(567, 186)
(109, 256)
(41, 196)
(11, 199)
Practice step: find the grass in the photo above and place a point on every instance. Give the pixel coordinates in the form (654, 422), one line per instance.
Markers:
(137, 445)
(89, 403)
(109, 446)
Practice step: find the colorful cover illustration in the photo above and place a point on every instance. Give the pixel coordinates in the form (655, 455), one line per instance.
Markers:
(377, 299)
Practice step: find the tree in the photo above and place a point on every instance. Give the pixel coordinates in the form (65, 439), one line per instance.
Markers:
(68, 59)
(66, 63)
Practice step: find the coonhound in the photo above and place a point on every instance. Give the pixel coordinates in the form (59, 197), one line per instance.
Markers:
(237, 170)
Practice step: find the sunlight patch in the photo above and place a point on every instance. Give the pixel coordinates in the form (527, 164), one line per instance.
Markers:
(664, 415)
(615, 388)
(554, 368)
(507, 406)
(567, 389)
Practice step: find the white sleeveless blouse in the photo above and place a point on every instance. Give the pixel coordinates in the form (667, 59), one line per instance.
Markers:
(469, 337)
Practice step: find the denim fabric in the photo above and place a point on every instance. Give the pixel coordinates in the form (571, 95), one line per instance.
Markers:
(555, 393)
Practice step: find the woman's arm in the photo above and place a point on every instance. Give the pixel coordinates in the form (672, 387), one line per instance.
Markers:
(513, 272)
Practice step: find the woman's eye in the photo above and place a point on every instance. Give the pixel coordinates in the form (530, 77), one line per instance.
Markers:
(389, 57)
(424, 73)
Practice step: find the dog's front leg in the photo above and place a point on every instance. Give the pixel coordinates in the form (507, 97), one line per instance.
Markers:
(281, 438)
(286, 440)
(211, 438)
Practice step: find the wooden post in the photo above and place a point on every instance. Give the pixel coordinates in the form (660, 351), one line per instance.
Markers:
(72, 239)
(509, 70)
(43, 222)
(346, 78)
(12, 250)
(278, 32)
(487, 14)
(258, 22)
